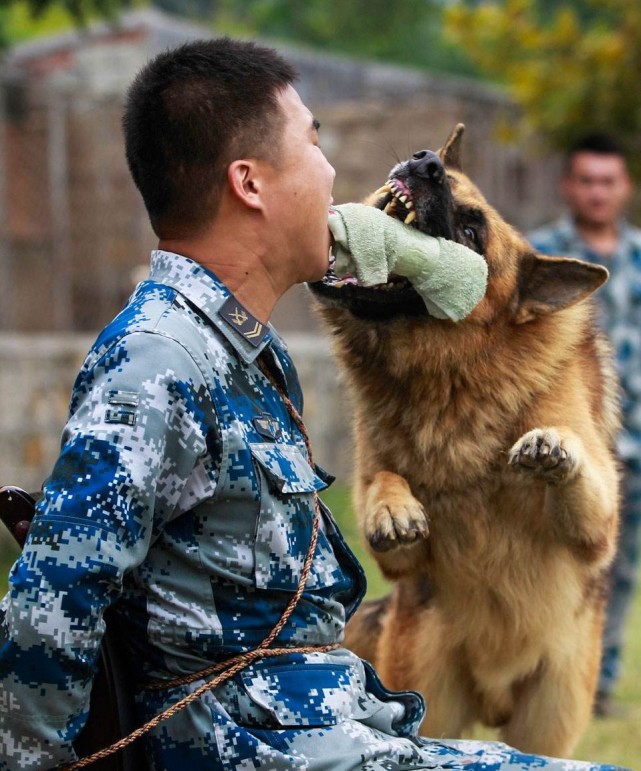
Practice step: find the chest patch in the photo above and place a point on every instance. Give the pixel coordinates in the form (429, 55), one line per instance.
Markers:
(267, 426)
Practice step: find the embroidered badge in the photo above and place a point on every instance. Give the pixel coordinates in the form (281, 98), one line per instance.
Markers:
(267, 426)
(240, 319)
(122, 415)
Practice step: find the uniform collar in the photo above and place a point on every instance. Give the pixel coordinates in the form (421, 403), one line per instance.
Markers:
(628, 237)
(211, 297)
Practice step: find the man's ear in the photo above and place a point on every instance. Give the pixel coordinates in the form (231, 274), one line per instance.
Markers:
(245, 183)
(549, 284)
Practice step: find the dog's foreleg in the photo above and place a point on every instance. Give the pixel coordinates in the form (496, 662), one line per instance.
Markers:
(393, 522)
(579, 499)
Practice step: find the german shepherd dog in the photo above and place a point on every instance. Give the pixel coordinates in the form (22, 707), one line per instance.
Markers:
(486, 483)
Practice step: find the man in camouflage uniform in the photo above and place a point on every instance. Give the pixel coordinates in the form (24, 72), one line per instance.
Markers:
(597, 188)
(183, 496)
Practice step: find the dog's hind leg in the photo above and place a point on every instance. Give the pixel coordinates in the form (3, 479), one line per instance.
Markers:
(451, 705)
(415, 652)
(553, 707)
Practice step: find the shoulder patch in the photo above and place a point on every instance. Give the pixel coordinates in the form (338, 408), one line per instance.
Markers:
(125, 398)
(123, 410)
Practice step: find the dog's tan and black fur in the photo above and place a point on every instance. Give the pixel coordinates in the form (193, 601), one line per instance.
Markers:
(486, 483)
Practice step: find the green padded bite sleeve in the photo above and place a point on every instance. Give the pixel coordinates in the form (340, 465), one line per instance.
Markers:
(450, 278)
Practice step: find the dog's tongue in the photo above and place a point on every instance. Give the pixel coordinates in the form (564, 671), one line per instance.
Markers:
(346, 280)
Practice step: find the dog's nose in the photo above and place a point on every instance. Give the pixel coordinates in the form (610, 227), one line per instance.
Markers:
(427, 164)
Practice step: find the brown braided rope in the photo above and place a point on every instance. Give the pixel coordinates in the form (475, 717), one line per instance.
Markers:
(234, 665)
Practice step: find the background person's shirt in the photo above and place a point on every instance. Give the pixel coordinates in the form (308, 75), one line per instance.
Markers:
(619, 302)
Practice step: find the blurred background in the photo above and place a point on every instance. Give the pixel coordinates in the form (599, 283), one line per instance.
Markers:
(527, 77)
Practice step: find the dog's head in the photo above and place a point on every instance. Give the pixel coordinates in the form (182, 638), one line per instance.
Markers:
(431, 193)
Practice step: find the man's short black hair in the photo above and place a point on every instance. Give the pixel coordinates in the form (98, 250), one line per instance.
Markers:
(189, 113)
(598, 143)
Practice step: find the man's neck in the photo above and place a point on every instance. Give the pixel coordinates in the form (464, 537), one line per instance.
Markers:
(601, 238)
(237, 253)
(242, 270)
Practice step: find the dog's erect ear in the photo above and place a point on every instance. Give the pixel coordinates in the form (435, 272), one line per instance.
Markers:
(450, 153)
(549, 284)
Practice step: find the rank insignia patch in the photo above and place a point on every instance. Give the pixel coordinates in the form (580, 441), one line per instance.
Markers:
(240, 319)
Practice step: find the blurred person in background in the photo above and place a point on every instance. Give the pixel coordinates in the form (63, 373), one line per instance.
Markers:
(596, 187)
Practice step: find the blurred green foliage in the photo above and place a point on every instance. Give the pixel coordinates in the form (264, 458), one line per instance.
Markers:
(24, 19)
(572, 66)
(408, 32)
(79, 10)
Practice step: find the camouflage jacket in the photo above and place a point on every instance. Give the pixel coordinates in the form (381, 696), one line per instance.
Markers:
(184, 495)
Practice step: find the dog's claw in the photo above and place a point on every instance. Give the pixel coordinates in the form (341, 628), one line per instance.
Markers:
(394, 527)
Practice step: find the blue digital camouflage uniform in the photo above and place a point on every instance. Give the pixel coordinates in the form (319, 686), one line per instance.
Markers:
(183, 497)
(620, 306)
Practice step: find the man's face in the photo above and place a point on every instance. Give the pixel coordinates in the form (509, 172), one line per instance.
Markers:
(300, 191)
(596, 188)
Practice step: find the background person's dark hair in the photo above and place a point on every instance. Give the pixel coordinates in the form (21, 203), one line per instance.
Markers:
(598, 143)
(189, 113)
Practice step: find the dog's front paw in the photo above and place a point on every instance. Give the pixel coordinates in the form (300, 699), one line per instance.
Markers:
(392, 524)
(544, 452)
(392, 516)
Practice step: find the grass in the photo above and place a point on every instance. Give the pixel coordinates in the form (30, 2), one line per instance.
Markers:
(607, 741)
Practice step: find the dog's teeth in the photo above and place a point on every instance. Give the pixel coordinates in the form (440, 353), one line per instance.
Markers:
(385, 189)
(338, 284)
(410, 218)
(409, 204)
(402, 198)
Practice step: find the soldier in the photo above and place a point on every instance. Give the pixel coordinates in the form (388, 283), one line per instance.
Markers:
(597, 189)
(185, 496)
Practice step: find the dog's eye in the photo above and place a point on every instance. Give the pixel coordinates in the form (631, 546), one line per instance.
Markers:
(471, 234)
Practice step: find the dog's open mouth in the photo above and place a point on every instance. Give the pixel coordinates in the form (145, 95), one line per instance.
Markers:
(381, 301)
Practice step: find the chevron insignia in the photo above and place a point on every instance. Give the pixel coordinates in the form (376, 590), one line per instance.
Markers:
(240, 319)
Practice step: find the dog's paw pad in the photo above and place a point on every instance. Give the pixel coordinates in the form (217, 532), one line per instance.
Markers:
(542, 451)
